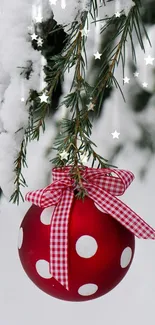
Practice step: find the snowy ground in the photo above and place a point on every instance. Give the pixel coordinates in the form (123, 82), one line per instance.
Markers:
(132, 301)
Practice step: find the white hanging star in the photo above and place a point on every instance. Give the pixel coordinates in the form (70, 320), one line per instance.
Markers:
(22, 99)
(53, 2)
(136, 74)
(90, 106)
(63, 4)
(149, 60)
(40, 41)
(97, 55)
(84, 31)
(39, 19)
(145, 84)
(117, 14)
(63, 155)
(126, 80)
(43, 98)
(115, 135)
(34, 37)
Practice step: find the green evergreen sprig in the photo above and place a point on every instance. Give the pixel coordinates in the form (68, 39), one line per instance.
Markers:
(124, 27)
(20, 180)
(76, 132)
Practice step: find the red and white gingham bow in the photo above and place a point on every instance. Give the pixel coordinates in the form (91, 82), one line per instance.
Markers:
(102, 189)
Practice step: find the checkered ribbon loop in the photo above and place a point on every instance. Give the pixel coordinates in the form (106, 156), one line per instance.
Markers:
(102, 187)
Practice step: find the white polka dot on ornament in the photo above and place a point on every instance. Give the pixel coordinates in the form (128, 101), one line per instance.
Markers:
(20, 238)
(126, 257)
(42, 268)
(46, 215)
(88, 289)
(86, 246)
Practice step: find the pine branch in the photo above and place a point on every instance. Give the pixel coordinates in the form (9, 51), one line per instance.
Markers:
(37, 117)
(124, 26)
(19, 180)
(78, 128)
(74, 139)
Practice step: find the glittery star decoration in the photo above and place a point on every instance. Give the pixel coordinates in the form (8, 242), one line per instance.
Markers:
(145, 84)
(117, 14)
(126, 80)
(84, 31)
(90, 106)
(97, 55)
(22, 99)
(43, 98)
(34, 37)
(63, 155)
(53, 2)
(40, 41)
(115, 135)
(149, 60)
(136, 74)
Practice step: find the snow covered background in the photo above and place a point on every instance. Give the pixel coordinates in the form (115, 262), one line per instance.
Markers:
(21, 302)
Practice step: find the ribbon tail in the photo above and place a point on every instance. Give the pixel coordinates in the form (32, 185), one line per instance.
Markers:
(121, 212)
(59, 239)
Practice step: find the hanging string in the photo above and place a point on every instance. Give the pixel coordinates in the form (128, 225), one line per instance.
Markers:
(147, 68)
(63, 4)
(116, 97)
(37, 11)
(97, 36)
(117, 6)
(22, 90)
(43, 84)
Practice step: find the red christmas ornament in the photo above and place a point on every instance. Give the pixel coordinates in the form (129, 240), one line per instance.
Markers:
(79, 250)
(100, 251)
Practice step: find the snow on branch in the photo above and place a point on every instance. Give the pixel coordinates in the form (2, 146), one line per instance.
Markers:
(16, 53)
(22, 70)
